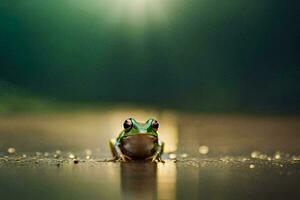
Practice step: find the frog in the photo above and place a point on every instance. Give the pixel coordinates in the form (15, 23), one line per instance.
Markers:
(137, 141)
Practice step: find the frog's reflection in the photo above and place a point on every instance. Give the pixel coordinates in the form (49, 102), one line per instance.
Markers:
(139, 180)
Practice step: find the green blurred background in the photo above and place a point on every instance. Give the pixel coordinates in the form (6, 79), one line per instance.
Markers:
(199, 55)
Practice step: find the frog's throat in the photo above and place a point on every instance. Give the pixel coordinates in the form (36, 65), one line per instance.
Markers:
(140, 139)
(139, 145)
(142, 135)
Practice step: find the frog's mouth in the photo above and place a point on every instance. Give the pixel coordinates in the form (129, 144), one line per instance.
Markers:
(139, 145)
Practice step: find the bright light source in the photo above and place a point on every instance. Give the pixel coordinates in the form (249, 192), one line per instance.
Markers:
(134, 12)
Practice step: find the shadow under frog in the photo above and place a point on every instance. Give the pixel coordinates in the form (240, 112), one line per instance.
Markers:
(139, 180)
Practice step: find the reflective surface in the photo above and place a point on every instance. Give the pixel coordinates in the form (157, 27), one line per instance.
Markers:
(65, 156)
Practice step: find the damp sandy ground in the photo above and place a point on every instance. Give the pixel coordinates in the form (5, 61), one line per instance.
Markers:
(65, 156)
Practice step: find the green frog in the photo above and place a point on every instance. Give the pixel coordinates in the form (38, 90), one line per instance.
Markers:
(138, 141)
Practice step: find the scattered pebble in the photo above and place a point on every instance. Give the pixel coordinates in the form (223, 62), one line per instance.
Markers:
(11, 150)
(251, 166)
(18, 158)
(56, 155)
(38, 153)
(203, 149)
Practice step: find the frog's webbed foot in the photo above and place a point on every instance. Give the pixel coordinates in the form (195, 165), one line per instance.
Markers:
(124, 158)
(155, 158)
(121, 158)
(114, 159)
(160, 160)
(117, 153)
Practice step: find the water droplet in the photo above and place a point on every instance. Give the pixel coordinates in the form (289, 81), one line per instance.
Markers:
(203, 149)
(269, 158)
(184, 155)
(296, 157)
(263, 156)
(72, 156)
(255, 154)
(11, 150)
(88, 152)
(251, 166)
(277, 155)
(172, 155)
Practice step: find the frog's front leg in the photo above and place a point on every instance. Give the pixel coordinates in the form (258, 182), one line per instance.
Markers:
(112, 149)
(157, 155)
(116, 151)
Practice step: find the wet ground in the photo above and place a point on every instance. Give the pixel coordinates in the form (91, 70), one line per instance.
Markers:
(65, 156)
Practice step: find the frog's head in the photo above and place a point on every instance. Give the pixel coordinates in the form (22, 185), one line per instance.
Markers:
(132, 127)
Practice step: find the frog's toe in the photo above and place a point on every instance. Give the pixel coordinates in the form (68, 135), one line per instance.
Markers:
(120, 159)
(116, 159)
(151, 158)
(158, 160)
(125, 158)
(155, 159)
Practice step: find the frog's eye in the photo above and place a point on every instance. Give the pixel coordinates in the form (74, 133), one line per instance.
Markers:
(155, 125)
(127, 124)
